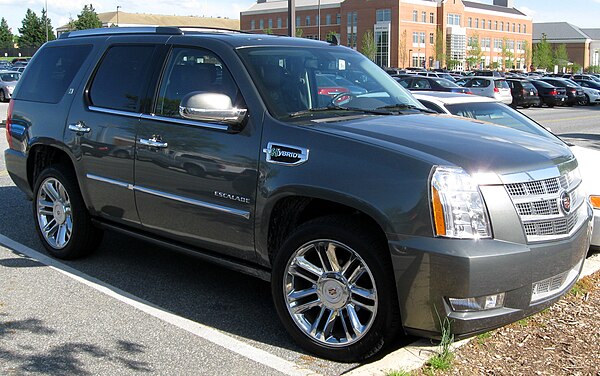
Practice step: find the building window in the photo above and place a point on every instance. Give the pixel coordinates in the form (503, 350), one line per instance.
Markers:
(477, 23)
(415, 16)
(510, 45)
(328, 19)
(514, 28)
(382, 43)
(496, 25)
(298, 22)
(352, 29)
(497, 44)
(307, 20)
(470, 22)
(252, 24)
(415, 39)
(383, 15)
(485, 43)
(453, 19)
(483, 23)
(279, 24)
(431, 38)
(501, 26)
(338, 18)
(422, 39)
(270, 23)
(424, 17)
(490, 24)
(525, 29)
(261, 24)
(317, 20)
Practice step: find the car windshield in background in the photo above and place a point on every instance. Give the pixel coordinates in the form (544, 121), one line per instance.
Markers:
(445, 83)
(496, 113)
(10, 77)
(322, 82)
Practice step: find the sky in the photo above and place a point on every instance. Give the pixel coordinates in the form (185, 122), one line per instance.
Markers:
(582, 13)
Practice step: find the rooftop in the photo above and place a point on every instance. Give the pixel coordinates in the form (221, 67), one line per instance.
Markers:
(558, 32)
(495, 8)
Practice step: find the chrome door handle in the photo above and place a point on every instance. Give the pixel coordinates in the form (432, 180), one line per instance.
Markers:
(79, 127)
(153, 142)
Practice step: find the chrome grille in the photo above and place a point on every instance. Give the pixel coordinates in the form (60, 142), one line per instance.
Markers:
(538, 204)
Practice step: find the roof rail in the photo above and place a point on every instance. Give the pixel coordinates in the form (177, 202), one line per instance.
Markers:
(209, 29)
(162, 30)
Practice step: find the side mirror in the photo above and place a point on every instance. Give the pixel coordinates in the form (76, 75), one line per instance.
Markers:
(211, 107)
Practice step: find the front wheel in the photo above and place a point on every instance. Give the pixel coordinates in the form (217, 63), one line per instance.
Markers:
(333, 289)
(62, 220)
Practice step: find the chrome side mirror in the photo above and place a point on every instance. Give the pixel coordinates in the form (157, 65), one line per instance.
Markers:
(211, 107)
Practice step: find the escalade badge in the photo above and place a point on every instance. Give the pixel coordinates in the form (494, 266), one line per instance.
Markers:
(285, 154)
(565, 202)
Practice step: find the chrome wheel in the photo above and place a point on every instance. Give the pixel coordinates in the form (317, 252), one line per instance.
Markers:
(54, 213)
(330, 293)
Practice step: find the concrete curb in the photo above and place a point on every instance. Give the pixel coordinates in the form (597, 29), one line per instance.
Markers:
(415, 355)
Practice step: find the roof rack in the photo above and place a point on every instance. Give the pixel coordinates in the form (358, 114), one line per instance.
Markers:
(162, 30)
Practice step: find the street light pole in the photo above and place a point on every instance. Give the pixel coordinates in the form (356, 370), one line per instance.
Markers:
(292, 18)
(319, 18)
(118, 6)
(46, 20)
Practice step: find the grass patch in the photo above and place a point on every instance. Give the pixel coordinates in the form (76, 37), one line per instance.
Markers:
(483, 337)
(582, 287)
(397, 373)
(443, 360)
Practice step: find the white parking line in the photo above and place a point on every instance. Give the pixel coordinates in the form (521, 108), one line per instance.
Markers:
(202, 331)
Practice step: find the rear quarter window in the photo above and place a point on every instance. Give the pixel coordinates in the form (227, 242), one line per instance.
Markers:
(49, 75)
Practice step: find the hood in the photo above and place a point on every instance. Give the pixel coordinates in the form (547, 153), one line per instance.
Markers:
(449, 140)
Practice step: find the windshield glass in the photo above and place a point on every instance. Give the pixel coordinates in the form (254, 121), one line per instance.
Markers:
(323, 81)
(445, 83)
(497, 113)
(10, 77)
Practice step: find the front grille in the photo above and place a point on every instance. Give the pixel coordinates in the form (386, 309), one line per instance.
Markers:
(538, 204)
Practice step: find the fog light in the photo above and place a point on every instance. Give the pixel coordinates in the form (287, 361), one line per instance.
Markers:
(595, 201)
(481, 303)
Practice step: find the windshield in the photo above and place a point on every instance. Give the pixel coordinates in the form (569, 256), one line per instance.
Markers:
(496, 113)
(445, 83)
(10, 77)
(323, 81)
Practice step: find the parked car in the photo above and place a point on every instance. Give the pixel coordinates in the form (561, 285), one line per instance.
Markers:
(491, 111)
(437, 75)
(485, 73)
(585, 77)
(591, 89)
(369, 215)
(343, 82)
(524, 94)
(417, 83)
(575, 92)
(549, 94)
(8, 81)
(492, 87)
(5, 65)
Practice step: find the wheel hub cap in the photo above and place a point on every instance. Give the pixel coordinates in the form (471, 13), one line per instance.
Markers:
(333, 292)
(60, 212)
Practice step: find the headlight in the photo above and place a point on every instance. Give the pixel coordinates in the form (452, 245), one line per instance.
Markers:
(458, 207)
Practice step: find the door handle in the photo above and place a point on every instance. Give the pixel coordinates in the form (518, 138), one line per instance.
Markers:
(79, 127)
(153, 142)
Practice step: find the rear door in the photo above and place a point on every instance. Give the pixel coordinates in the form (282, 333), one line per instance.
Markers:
(196, 181)
(104, 123)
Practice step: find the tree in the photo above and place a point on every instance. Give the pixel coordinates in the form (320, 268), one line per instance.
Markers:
(367, 45)
(402, 52)
(87, 19)
(527, 54)
(45, 22)
(474, 52)
(6, 36)
(32, 33)
(542, 54)
(507, 55)
(268, 30)
(299, 32)
(561, 57)
(438, 47)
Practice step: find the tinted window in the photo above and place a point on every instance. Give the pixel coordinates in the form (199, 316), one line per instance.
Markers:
(193, 69)
(501, 84)
(432, 106)
(49, 77)
(121, 78)
(542, 84)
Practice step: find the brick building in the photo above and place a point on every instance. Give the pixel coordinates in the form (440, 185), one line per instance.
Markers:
(583, 45)
(406, 31)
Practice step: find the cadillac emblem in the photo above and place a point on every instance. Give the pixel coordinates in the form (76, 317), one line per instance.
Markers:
(565, 202)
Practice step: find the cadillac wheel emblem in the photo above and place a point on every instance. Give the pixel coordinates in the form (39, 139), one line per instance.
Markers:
(565, 202)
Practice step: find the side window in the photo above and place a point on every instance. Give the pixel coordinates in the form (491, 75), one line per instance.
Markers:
(192, 69)
(404, 83)
(422, 84)
(48, 77)
(122, 77)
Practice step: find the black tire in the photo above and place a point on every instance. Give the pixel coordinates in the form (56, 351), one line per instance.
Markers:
(586, 101)
(346, 236)
(68, 210)
(550, 105)
(526, 105)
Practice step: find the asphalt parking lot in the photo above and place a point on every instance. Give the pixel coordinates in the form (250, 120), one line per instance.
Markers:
(135, 308)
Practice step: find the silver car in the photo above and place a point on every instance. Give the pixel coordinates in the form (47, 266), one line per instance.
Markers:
(8, 81)
(491, 111)
(493, 87)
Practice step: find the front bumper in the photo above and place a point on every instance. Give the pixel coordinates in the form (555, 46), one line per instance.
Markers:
(430, 270)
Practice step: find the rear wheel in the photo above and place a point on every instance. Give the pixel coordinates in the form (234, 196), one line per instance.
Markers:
(333, 289)
(585, 101)
(62, 220)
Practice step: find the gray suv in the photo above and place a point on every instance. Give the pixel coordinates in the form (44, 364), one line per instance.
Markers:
(369, 215)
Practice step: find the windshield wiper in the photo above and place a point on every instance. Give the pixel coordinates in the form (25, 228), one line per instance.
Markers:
(340, 108)
(403, 106)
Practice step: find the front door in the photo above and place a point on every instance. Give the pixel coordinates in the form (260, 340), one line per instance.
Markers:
(195, 181)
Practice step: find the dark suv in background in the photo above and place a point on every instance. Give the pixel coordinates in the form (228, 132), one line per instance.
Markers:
(369, 215)
(523, 92)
